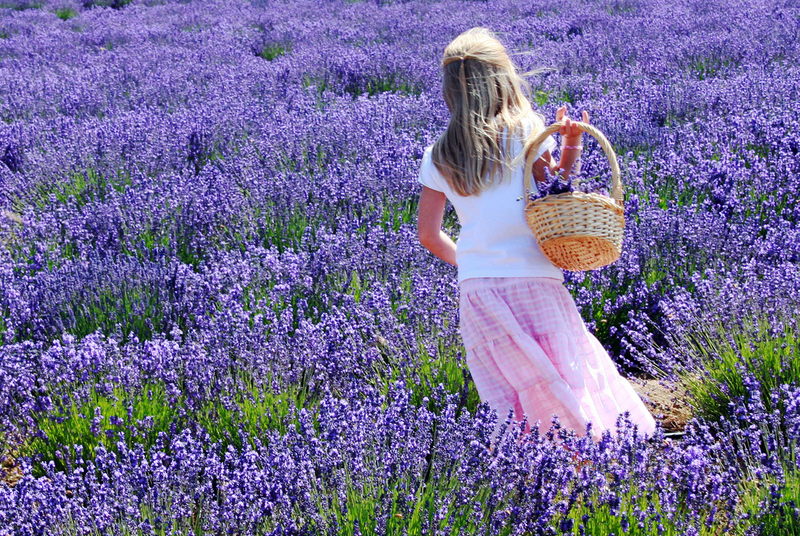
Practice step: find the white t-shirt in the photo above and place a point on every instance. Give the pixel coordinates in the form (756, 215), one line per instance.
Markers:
(495, 240)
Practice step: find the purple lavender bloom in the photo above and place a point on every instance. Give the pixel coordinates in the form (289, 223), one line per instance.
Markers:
(218, 198)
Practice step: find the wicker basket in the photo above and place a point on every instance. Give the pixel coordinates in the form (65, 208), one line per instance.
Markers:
(578, 231)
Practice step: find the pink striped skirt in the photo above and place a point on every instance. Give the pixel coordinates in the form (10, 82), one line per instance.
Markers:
(528, 349)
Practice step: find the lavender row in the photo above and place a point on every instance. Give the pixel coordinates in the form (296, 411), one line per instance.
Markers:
(380, 455)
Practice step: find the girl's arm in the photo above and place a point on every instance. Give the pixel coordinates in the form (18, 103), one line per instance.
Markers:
(429, 225)
(568, 157)
(572, 138)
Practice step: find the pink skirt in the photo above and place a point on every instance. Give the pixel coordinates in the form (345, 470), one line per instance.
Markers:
(528, 349)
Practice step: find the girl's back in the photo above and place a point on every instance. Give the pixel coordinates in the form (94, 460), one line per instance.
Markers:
(495, 239)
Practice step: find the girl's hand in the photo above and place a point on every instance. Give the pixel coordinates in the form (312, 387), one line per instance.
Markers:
(570, 132)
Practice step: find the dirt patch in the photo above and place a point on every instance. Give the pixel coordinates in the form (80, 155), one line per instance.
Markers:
(10, 472)
(665, 401)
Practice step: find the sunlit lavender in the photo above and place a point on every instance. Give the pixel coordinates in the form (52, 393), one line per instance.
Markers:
(216, 317)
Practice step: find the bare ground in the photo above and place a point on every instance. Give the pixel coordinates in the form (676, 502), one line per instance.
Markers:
(10, 472)
(665, 401)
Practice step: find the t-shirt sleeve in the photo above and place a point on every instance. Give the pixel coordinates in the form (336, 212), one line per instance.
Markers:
(428, 174)
(548, 144)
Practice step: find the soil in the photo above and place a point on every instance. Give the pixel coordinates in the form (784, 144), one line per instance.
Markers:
(10, 472)
(665, 400)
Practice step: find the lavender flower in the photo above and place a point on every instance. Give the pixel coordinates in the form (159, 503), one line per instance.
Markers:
(215, 201)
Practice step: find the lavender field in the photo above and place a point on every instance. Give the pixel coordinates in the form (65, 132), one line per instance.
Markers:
(217, 319)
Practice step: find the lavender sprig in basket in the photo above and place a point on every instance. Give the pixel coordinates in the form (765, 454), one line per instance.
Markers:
(555, 184)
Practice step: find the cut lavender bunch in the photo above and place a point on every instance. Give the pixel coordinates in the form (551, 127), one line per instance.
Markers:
(556, 183)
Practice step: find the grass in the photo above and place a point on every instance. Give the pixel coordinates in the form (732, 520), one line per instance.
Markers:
(66, 13)
(80, 188)
(446, 367)
(138, 310)
(541, 98)
(768, 503)
(284, 229)
(710, 67)
(626, 519)
(362, 504)
(364, 85)
(177, 527)
(273, 50)
(143, 309)
(722, 352)
(101, 419)
(114, 4)
(21, 5)
(774, 515)
(396, 214)
(410, 501)
(137, 417)
(253, 412)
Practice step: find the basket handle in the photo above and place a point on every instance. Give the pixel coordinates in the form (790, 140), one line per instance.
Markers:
(616, 182)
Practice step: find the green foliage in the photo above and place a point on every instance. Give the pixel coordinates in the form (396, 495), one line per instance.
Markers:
(447, 367)
(81, 188)
(250, 411)
(405, 516)
(127, 308)
(606, 311)
(389, 83)
(137, 307)
(282, 227)
(272, 51)
(541, 98)
(66, 13)
(114, 4)
(253, 410)
(180, 526)
(396, 214)
(773, 515)
(602, 519)
(723, 352)
(130, 417)
(371, 86)
(21, 5)
(709, 67)
(441, 364)
(622, 7)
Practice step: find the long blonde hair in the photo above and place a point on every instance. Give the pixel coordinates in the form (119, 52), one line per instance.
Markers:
(485, 95)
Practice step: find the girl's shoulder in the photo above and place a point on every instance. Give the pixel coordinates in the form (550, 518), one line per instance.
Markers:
(429, 175)
(519, 132)
(531, 125)
(426, 163)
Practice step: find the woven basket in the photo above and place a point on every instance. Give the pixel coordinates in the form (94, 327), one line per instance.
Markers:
(578, 231)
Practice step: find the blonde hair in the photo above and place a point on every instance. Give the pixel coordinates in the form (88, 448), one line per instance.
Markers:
(485, 95)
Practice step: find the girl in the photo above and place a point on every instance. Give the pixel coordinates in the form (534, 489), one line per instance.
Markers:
(527, 346)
